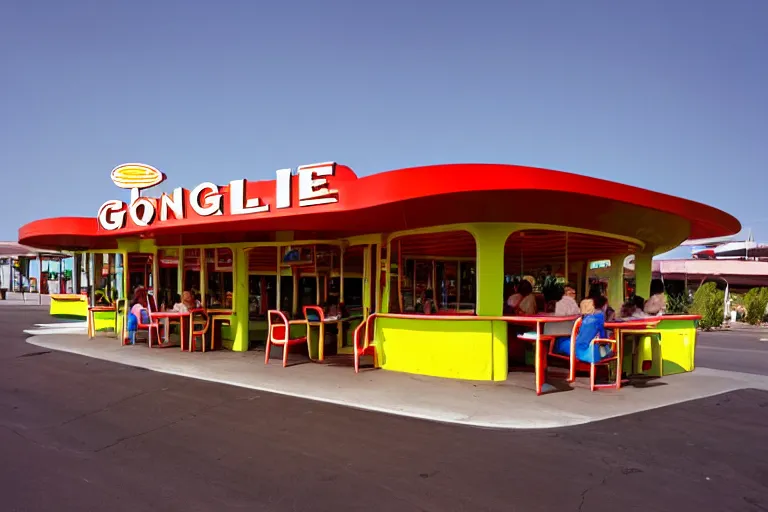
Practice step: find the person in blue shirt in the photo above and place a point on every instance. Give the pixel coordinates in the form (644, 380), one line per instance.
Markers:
(592, 326)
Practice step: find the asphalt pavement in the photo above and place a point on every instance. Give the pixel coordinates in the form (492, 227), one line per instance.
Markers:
(739, 350)
(78, 434)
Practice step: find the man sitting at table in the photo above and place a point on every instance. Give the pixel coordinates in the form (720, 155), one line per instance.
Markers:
(592, 326)
(567, 305)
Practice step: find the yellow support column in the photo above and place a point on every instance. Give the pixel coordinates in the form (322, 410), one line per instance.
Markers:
(616, 283)
(643, 274)
(240, 300)
(366, 280)
(490, 240)
(204, 277)
(180, 271)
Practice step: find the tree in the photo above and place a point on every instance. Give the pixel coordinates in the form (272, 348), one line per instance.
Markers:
(708, 302)
(755, 302)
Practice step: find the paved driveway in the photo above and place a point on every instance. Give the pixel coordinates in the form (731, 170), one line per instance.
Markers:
(80, 434)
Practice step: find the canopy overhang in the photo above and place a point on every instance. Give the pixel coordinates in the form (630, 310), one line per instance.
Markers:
(408, 199)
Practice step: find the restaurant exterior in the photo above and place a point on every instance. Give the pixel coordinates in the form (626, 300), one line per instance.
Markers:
(381, 245)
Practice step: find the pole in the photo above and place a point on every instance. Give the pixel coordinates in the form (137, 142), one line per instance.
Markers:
(40, 279)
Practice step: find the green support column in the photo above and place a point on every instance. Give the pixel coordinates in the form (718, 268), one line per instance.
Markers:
(240, 299)
(643, 274)
(490, 240)
(616, 283)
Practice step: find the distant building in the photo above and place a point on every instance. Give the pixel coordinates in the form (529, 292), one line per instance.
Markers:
(28, 270)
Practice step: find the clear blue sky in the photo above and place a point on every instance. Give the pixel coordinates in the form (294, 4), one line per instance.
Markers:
(668, 95)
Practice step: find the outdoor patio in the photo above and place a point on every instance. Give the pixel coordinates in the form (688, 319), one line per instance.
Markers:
(509, 404)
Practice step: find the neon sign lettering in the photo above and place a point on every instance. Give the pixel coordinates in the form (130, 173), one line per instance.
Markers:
(208, 199)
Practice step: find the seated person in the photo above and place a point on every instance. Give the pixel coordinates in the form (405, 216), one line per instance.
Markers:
(587, 306)
(593, 326)
(657, 303)
(188, 302)
(138, 313)
(430, 307)
(177, 304)
(332, 310)
(513, 300)
(527, 304)
(567, 305)
(633, 308)
(639, 307)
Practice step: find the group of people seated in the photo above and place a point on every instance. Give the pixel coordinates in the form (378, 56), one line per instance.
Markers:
(139, 308)
(595, 312)
(522, 301)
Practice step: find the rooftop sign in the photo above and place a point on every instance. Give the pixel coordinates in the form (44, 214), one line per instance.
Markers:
(208, 199)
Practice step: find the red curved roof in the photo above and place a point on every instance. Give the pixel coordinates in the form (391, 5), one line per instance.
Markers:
(422, 197)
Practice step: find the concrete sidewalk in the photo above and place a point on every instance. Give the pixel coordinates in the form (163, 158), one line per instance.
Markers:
(31, 299)
(510, 405)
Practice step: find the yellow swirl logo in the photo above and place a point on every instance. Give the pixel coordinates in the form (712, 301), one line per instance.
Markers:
(138, 176)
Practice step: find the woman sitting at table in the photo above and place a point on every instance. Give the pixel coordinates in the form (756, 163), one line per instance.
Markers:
(587, 306)
(527, 302)
(178, 305)
(592, 326)
(139, 303)
(188, 302)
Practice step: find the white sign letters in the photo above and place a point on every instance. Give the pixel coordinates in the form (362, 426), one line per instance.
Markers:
(207, 199)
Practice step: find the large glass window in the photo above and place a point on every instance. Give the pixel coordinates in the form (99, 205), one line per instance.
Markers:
(353, 263)
(168, 277)
(108, 279)
(192, 272)
(262, 295)
(220, 284)
(139, 270)
(262, 281)
(440, 266)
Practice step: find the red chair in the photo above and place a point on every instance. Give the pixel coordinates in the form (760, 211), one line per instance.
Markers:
(153, 325)
(615, 358)
(315, 317)
(367, 348)
(198, 328)
(279, 333)
(573, 361)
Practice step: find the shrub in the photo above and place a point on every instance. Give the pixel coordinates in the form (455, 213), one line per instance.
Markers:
(755, 302)
(708, 302)
(678, 304)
